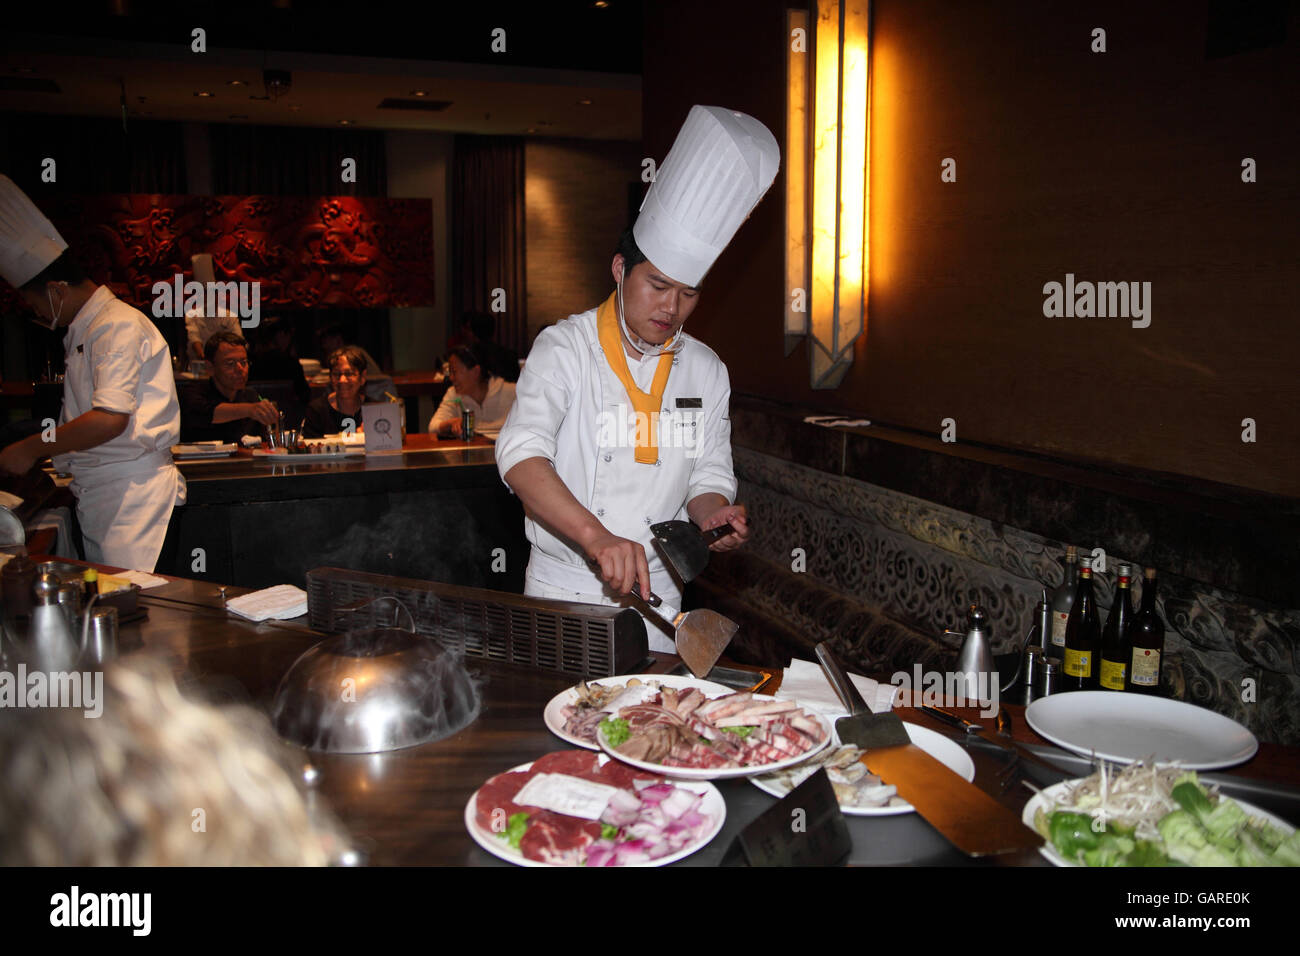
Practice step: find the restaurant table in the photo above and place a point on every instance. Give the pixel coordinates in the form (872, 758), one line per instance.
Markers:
(407, 807)
(17, 394)
(437, 510)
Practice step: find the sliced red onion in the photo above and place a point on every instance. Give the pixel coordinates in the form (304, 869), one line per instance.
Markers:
(681, 801)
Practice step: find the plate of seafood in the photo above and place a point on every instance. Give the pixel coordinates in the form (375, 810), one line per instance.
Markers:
(860, 792)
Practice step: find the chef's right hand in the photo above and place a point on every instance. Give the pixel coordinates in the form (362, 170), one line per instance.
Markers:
(264, 413)
(622, 563)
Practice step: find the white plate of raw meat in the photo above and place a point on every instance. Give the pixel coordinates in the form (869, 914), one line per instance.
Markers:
(555, 839)
(737, 735)
(559, 708)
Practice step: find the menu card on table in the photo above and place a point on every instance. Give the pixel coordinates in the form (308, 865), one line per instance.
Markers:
(383, 426)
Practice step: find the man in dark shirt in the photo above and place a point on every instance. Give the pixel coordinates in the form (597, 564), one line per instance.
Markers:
(223, 408)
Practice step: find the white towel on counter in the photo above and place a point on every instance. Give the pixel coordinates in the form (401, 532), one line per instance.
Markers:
(805, 682)
(836, 421)
(280, 603)
(142, 578)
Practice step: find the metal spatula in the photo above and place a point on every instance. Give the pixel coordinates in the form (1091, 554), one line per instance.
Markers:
(968, 817)
(700, 635)
(686, 547)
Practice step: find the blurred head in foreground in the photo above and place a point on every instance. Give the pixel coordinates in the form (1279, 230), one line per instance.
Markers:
(157, 780)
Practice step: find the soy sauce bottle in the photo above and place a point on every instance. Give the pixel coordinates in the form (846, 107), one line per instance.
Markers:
(1114, 637)
(1062, 601)
(1146, 637)
(1082, 635)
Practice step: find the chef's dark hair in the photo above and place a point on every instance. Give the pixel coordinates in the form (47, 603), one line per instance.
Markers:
(66, 268)
(218, 339)
(630, 251)
(632, 254)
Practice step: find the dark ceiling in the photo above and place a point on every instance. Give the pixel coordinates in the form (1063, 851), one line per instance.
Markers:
(556, 34)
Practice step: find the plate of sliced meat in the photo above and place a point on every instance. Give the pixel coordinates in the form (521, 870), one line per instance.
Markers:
(579, 808)
(573, 714)
(736, 735)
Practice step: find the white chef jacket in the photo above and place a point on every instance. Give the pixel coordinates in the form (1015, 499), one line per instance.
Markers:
(488, 417)
(118, 361)
(572, 410)
(199, 327)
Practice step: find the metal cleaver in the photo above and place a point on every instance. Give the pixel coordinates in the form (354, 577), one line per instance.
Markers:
(967, 817)
(687, 547)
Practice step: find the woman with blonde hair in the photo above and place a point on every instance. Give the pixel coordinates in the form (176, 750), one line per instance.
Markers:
(156, 780)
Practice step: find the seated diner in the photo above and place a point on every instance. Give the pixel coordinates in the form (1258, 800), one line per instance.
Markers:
(333, 413)
(488, 396)
(223, 408)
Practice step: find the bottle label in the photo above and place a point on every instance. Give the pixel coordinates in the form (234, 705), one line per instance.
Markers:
(1146, 667)
(1059, 620)
(1078, 663)
(1112, 674)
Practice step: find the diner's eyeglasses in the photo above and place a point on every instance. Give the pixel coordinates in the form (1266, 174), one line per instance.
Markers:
(344, 373)
(231, 364)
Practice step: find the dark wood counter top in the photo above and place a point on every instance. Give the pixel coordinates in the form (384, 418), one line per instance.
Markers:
(423, 462)
(436, 510)
(407, 807)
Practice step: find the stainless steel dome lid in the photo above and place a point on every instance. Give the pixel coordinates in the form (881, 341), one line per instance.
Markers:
(374, 689)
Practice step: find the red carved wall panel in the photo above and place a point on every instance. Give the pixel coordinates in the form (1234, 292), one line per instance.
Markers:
(307, 252)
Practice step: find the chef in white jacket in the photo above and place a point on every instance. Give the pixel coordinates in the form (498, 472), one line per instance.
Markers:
(621, 419)
(120, 415)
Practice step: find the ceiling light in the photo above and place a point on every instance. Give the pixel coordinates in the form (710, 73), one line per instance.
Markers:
(203, 93)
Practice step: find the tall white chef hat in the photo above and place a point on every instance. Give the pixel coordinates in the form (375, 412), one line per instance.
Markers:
(203, 268)
(721, 164)
(28, 241)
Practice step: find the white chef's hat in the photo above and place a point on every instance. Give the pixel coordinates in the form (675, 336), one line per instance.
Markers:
(28, 241)
(203, 269)
(721, 164)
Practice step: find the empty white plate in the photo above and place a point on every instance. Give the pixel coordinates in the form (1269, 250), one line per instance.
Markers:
(1126, 728)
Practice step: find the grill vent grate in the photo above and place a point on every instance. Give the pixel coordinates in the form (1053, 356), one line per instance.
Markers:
(585, 639)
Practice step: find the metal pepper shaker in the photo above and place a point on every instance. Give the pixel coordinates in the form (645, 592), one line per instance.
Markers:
(976, 655)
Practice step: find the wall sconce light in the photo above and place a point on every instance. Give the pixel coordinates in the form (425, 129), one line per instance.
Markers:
(827, 73)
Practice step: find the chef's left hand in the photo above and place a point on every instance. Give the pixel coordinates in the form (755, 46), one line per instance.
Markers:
(18, 459)
(734, 515)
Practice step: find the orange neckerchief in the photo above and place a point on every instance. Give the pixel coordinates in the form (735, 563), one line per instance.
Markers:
(647, 406)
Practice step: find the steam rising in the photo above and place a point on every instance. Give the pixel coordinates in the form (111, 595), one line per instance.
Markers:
(376, 689)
